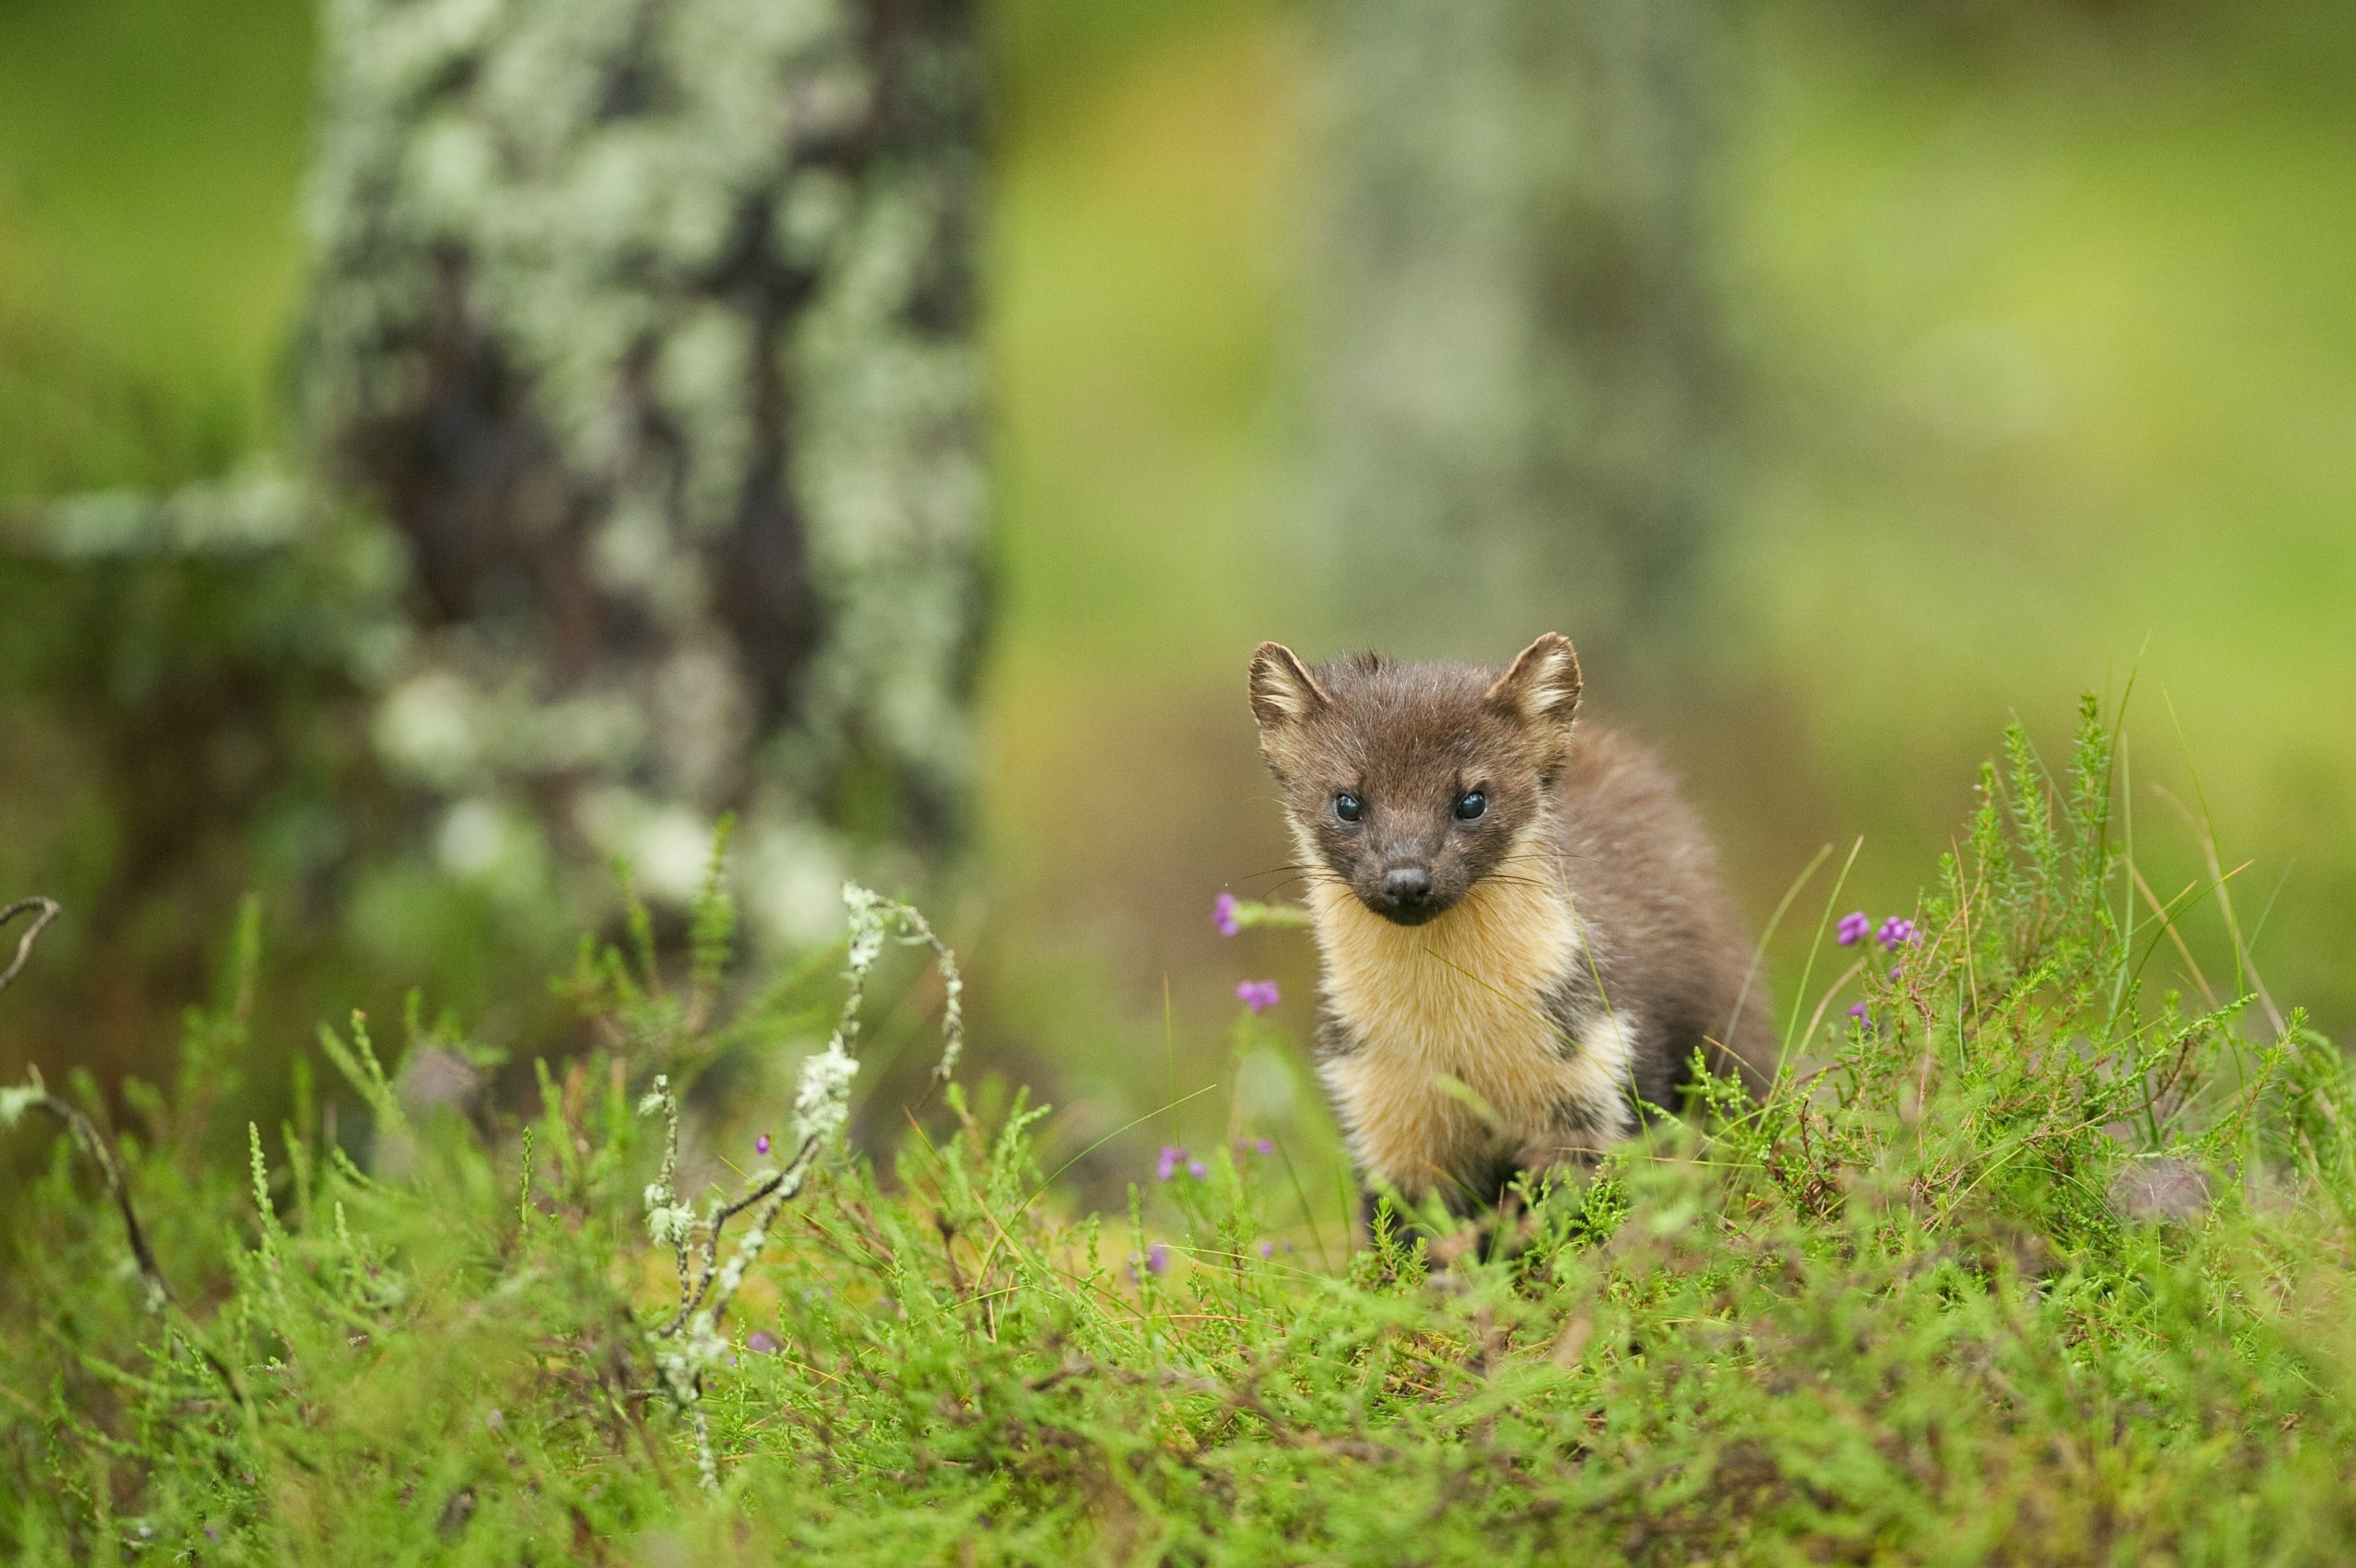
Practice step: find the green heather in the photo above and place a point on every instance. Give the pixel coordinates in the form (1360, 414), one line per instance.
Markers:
(2028, 1263)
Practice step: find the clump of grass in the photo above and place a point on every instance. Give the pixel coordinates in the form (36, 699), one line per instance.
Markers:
(2024, 1264)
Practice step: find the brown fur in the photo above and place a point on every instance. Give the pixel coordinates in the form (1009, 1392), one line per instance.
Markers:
(1573, 949)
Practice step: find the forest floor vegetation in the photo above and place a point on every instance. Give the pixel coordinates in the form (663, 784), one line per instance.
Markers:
(2019, 1262)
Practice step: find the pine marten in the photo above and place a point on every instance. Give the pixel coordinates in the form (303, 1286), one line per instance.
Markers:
(1524, 934)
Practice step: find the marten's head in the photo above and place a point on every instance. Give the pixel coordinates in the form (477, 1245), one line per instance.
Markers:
(1411, 782)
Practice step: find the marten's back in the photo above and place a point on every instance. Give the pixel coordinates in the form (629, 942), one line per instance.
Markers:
(1653, 910)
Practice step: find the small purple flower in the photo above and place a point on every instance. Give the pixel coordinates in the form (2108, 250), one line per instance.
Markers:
(1895, 970)
(1267, 1249)
(1852, 927)
(1264, 1147)
(1896, 933)
(1167, 1166)
(1259, 995)
(1195, 1168)
(1223, 914)
(1157, 1259)
(761, 1144)
(1857, 1011)
(762, 1343)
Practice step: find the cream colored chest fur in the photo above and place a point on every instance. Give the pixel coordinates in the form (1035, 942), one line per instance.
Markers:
(1461, 997)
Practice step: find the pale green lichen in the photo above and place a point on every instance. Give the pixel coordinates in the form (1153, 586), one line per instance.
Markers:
(1516, 376)
(706, 249)
(690, 1345)
(15, 1101)
(649, 325)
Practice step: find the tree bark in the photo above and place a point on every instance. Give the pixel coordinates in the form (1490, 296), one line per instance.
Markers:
(1518, 395)
(651, 325)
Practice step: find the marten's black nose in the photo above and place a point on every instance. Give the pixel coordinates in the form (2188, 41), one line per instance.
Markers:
(1407, 887)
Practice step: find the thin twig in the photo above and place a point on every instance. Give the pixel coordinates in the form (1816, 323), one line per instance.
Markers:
(49, 909)
(87, 1136)
(93, 1142)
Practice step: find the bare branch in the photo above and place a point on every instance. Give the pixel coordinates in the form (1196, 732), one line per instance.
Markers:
(95, 1143)
(49, 909)
(87, 1135)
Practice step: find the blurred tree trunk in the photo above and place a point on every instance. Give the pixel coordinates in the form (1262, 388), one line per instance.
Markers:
(651, 326)
(1517, 378)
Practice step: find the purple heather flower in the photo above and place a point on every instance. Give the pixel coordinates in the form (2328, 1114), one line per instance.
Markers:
(761, 1144)
(1223, 914)
(1195, 1168)
(1896, 969)
(1264, 1147)
(762, 1343)
(1157, 1259)
(1852, 927)
(1896, 933)
(1857, 1011)
(1267, 1249)
(1167, 1166)
(1259, 995)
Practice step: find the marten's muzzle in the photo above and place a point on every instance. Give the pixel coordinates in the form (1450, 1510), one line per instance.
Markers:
(1405, 895)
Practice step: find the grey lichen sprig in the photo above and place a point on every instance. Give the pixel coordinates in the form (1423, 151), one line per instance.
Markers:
(873, 919)
(689, 1343)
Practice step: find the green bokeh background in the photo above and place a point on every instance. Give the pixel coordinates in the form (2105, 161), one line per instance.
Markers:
(2047, 316)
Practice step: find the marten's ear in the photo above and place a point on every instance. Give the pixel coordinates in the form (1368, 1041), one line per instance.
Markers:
(1542, 688)
(1282, 691)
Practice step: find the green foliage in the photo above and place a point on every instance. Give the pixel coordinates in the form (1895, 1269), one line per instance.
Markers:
(2023, 1267)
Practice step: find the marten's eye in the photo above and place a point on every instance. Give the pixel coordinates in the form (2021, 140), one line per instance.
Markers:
(1471, 805)
(1349, 807)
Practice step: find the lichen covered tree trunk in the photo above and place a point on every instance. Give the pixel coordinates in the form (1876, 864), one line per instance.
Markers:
(1517, 381)
(651, 325)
